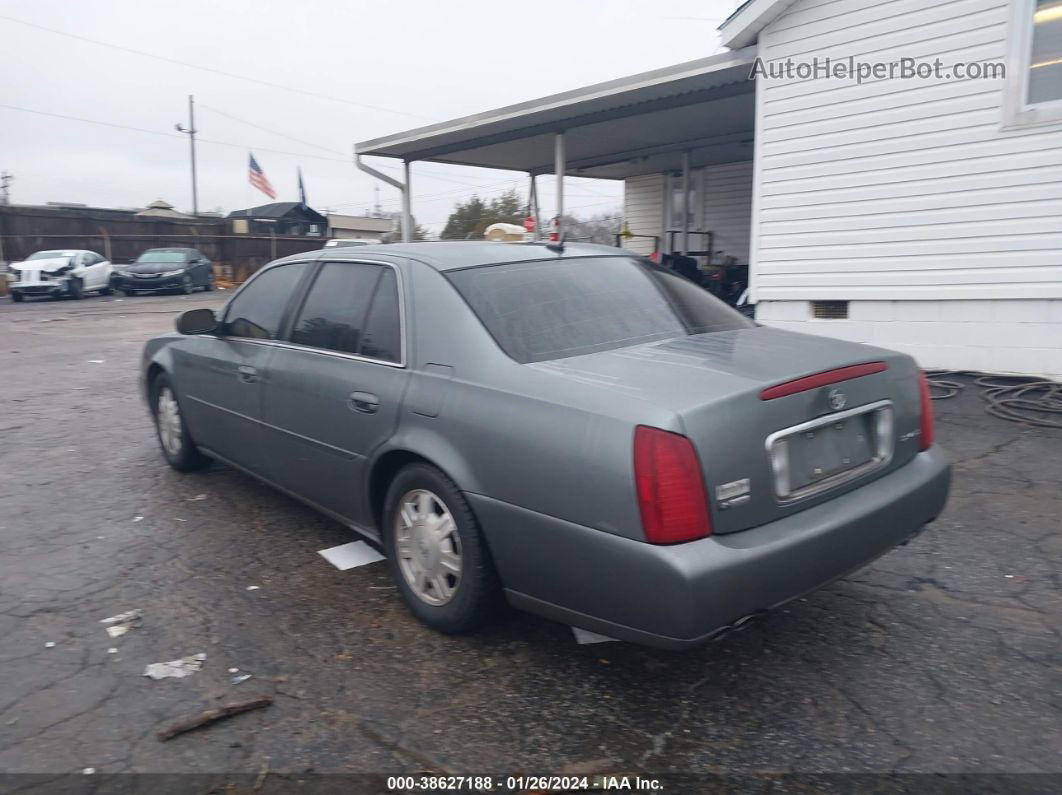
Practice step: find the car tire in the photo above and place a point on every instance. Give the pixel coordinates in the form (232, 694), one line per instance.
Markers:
(209, 284)
(129, 293)
(186, 285)
(76, 290)
(16, 297)
(437, 531)
(176, 443)
(106, 290)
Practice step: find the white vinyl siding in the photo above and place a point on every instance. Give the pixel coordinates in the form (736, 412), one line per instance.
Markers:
(901, 189)
(726, 193)
(643, 210)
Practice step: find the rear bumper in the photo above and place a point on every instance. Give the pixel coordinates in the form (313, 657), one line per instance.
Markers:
(680, 596)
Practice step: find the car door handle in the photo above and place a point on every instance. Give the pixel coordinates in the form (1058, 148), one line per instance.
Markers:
(364, 402)
(247, 374)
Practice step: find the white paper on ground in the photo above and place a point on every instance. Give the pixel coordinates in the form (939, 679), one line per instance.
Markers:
(347, 556)
(584, 636)
(186, 666)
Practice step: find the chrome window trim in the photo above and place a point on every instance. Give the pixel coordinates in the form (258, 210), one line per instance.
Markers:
(885, 441)
(402, 341)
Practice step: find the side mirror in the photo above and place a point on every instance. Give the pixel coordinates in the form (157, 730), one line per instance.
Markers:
(197, 321)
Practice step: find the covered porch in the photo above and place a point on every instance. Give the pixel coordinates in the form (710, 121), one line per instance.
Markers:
(681, 138)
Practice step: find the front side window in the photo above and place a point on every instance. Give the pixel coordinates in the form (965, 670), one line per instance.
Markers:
(538, 311)
(333, 314)
(257, 310)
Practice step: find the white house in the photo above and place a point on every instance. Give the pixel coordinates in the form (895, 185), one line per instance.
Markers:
(920, 212)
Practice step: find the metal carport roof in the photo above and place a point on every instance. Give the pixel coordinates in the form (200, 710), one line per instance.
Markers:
(620, 128)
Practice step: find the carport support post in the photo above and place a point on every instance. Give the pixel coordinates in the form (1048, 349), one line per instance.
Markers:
(407, 211)
(685, 203)
(559, 167)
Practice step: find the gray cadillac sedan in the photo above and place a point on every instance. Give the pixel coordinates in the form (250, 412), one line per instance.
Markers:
(573, 430)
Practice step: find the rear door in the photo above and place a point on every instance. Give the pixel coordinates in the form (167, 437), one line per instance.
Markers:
(220, 378)
(336, 385)
(199, 268)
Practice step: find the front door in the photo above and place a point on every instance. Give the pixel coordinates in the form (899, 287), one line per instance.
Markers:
(220, 378)
(335, 390)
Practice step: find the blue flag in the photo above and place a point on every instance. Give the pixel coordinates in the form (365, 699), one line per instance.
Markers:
(302, 190)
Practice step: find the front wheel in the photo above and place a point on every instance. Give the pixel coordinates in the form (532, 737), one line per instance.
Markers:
(177, 446)
(16, 297)
(129, 293)
(436, 552)
(106, 290)
(75, 289)
(186, 285)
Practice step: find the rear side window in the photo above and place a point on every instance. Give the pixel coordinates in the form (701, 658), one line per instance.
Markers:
(567, 307)
(257, 310)
(383, 332)
(333, 314)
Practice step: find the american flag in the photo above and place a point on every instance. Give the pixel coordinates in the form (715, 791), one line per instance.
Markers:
(258, 179)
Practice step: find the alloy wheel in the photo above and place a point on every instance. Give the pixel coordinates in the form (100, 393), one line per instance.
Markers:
(168, 416)
(428, 547)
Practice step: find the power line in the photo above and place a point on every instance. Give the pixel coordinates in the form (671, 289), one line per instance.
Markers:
(168, 135)
(210, 69)
(273, 132)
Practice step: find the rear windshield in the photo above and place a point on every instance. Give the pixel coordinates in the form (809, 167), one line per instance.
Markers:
(549, 310)
(161, 256)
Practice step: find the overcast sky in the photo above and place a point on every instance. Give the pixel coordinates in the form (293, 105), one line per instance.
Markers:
(397, 65)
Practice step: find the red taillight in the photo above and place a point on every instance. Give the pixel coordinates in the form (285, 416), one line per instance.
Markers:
(667, 477)
(925, 439)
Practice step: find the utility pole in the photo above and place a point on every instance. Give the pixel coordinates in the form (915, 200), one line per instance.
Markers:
(5, 187)
(190, 131)
(376, 204)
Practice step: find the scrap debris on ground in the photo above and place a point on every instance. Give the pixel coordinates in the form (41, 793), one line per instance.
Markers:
(182, 725)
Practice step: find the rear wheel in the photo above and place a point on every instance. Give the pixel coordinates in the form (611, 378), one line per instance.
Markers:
(177, 446)
(436, 552)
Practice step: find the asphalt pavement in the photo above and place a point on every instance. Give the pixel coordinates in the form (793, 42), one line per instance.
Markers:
(942, 657)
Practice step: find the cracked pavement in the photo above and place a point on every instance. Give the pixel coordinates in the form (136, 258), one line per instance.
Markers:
(943, 656)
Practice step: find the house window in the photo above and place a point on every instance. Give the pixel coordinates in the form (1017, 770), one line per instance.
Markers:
(1045, 60)
(1033, 92)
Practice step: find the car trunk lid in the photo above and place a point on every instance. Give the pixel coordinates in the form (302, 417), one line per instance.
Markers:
(781, 421)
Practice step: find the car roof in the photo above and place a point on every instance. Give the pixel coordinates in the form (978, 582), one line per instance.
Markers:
(452, 255)
(167, 248)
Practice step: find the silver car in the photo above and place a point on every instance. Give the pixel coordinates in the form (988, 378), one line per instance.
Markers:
(569, 429)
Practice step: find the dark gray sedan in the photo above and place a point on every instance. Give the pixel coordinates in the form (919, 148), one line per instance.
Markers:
(575, 431)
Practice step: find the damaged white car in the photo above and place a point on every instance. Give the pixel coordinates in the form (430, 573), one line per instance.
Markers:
(69, 272)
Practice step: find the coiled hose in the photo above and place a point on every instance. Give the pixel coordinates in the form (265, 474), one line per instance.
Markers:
(1018, 398)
